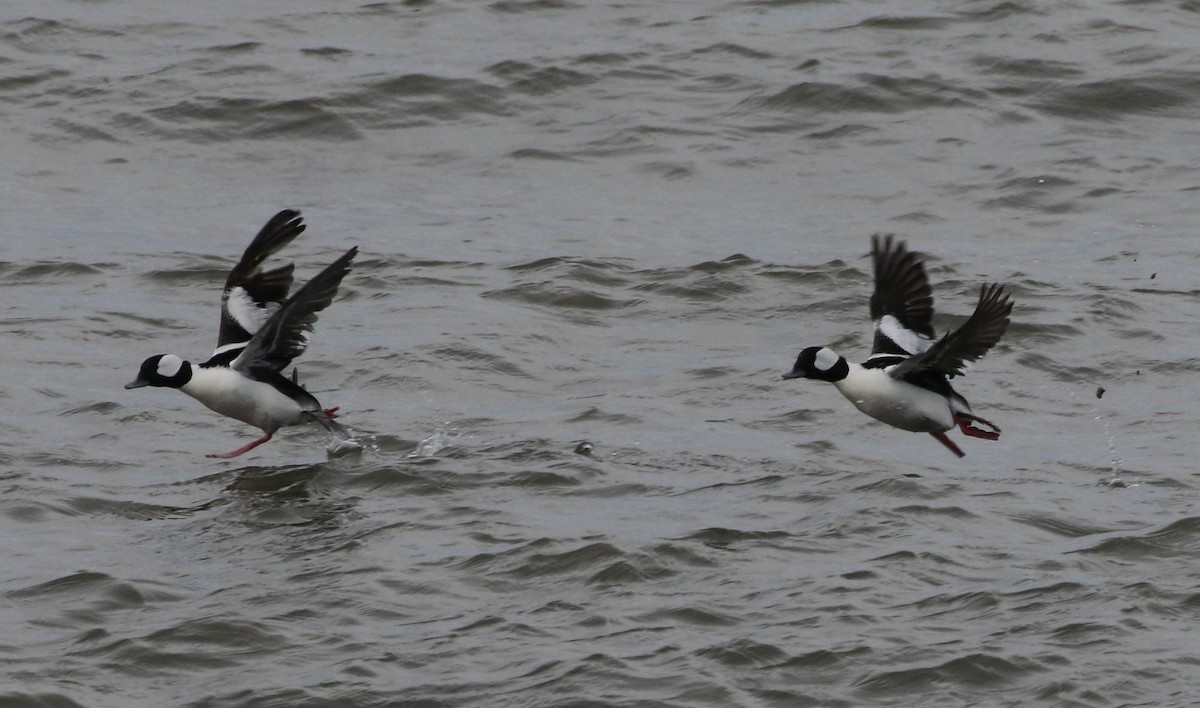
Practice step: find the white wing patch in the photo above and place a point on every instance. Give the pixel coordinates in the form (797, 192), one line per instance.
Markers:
(904, 337)
(228, 347)
(246, 312)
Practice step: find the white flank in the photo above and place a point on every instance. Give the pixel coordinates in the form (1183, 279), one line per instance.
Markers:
(229, 393)
(896, 402)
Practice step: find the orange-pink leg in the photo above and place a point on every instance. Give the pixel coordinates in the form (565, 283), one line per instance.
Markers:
(243, 449)
(331, 412)
(941, 437)
(965, 421)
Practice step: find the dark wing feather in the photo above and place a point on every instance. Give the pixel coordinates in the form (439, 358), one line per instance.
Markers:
(972, 340)
(285, 336)
(254, 291)
(901, 290)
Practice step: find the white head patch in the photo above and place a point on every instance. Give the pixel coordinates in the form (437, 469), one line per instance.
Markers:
(169, 365)
(825, 359)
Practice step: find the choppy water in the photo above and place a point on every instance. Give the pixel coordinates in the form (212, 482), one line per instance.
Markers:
(613, 223)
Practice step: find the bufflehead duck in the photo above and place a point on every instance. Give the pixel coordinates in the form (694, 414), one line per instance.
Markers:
(262, 330)
(904, 381)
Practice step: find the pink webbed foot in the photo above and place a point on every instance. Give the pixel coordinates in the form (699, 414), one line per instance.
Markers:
(331, 412)
(966, 423)
(243, 449)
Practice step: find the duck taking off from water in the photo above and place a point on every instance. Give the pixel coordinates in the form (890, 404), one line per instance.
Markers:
(262, 330)
(905, 382)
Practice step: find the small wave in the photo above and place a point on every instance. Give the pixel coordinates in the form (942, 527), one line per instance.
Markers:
(203, 636)
(400, 480)
(736, 50)
(744, 653)
(576, 559)
(538, 80)
(594, 414)
(519, 6)
(541, 154)
(1060, 371)
(561, 297)
(472, 358)
(541, 480)
(1179, 539)
(209, 274)
(690, 616)
(1169, 94)
(531, 560)
(289, 480)
(220, 119)
(414, 100)
(1059, 526)
(723, 537)
(974, 670)
(1086, 634)
(628, 571)
(871, 93)
(49, 273)
(37, 700)
(98, 590)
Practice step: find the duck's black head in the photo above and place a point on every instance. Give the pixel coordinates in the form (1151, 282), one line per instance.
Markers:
(821, 363)
(162, 370)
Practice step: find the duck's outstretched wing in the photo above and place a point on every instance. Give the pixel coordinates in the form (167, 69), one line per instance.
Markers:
(285, 335)
(972, 340)
(252, 295)
(902, 304)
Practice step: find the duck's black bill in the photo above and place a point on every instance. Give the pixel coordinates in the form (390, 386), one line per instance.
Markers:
(793, 374)
(137, 383)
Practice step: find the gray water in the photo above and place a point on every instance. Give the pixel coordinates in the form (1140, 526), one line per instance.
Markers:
(614, 223)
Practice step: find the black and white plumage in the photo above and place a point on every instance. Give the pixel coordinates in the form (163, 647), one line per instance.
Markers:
(905, 382)
(262, 331)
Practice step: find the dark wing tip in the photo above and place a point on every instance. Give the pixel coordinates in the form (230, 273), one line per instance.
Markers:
(982, 330)
(991, 317)
(283, 338)
(342, 264)
(278, 232)
(901, 285)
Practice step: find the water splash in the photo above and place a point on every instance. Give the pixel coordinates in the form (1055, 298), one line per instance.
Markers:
(340, 447)
(444, 436)
(1115, 459)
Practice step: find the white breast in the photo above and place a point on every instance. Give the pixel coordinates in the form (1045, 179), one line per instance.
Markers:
(229, 393)
(895, 402)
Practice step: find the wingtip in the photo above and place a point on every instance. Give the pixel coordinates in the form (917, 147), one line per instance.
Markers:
(901, 285)
(345, 259)
(279, 231)
(285, 219)
(887, 243)
(994, 295)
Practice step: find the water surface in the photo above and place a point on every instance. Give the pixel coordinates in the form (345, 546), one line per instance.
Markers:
(617, 224)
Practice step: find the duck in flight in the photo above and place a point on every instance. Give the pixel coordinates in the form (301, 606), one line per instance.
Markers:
(905, 382)
(262, 331)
